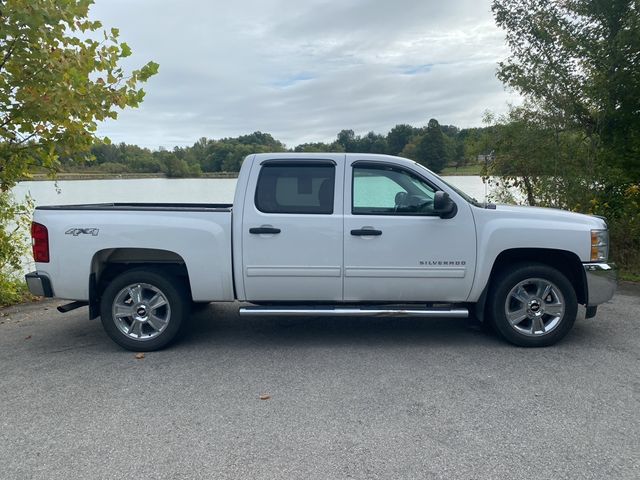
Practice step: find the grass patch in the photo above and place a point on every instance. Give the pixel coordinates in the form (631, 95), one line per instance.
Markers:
(472, 169)
(629, 276)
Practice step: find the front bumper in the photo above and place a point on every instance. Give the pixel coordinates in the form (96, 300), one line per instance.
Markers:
(39, 285)
(602, 281)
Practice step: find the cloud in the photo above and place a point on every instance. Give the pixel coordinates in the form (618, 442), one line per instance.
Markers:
(302, 71)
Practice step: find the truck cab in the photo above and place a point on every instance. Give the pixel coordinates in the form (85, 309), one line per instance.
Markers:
(351, 229)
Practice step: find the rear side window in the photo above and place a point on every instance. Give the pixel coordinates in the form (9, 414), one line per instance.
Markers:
(296, 188)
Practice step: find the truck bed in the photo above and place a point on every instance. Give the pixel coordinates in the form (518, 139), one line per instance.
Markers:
(82, 236)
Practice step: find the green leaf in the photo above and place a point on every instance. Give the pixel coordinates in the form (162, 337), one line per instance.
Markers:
(125, 51)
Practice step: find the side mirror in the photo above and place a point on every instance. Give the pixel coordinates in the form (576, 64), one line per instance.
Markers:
(443, 205)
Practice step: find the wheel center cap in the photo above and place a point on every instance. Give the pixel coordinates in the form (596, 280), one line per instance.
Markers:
(535, 307)
(141, 313)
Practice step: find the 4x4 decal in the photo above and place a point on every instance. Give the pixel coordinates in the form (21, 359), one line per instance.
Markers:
(82, 231)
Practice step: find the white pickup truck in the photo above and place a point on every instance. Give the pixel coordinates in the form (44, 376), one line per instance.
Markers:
(325, 235)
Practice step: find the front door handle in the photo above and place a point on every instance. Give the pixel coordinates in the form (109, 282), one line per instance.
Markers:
(366, 231)
(263, 230)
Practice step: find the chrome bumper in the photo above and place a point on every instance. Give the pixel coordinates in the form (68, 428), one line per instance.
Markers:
(602, 280)
(39, 285)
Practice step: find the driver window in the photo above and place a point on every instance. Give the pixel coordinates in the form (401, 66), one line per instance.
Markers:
(383, 190)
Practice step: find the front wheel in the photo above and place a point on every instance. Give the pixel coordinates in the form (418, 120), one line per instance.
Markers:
(144, 309)
(532, 305)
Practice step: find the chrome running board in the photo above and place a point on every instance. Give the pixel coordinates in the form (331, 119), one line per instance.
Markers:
(434, 312)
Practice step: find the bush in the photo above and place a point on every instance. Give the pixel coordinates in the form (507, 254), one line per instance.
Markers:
(13, 290)
(621, 207)
(15, 219)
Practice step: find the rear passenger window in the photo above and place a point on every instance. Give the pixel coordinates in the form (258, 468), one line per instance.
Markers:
(296, 188)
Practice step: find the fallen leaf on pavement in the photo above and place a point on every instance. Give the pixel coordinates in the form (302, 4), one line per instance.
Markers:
(265, 396)
(139, 356)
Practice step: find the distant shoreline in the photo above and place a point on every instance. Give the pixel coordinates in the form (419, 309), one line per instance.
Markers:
(43, 177)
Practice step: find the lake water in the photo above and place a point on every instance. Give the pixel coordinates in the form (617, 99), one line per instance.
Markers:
(151, 190)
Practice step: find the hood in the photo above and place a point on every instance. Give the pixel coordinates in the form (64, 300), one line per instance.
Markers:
(552, 214)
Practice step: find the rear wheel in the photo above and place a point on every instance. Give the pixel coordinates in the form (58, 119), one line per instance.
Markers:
(532, 305)
(144, 309)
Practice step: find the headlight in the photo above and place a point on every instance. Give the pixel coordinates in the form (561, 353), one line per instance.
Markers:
(599, 245)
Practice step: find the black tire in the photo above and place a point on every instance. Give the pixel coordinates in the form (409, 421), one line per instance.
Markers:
(524, 282)
(176, 309)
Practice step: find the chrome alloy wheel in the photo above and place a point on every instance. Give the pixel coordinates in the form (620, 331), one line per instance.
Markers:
(534, 307)
(141, 311)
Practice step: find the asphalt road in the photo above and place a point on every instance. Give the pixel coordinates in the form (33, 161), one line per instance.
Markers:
(350, 398)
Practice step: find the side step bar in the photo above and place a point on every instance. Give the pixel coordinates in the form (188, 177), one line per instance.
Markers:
(433, 312)
(71, 306)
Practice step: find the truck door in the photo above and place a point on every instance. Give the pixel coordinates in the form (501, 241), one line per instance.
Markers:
(395, 247)
(292, 232)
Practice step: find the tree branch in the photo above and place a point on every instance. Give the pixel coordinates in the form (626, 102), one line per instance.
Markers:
(25, 139)
(9, 52)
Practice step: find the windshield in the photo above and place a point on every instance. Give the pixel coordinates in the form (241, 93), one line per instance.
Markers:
(467, 197)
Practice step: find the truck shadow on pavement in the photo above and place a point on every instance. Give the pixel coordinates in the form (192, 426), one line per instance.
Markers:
(39, 328)
(218, 323)
(221, 324)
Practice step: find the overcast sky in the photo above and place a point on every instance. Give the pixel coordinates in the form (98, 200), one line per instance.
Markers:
(304, 70)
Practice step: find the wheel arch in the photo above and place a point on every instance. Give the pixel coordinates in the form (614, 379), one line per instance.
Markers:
(108, 263)
(568, 263)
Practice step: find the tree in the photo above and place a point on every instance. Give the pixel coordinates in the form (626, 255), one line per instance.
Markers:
(576, 64)
(459, 154)
(263, 139)
(398, 138)
(371, 143)
(410, 149)
(531, 155)
(579, 59)
(347, 139)
(57, 82)
(319, 147)
(430, 150)
(174, 167)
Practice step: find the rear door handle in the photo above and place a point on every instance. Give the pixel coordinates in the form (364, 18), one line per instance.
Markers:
(366, 231)
(262, 230)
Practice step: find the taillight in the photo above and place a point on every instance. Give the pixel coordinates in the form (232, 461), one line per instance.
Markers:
(40, 242)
